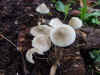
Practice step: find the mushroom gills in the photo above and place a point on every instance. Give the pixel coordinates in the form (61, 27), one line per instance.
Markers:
(41, 42)
(40, 30)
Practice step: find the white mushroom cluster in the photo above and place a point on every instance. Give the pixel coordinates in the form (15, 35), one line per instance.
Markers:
(55, 32)
(41, 41)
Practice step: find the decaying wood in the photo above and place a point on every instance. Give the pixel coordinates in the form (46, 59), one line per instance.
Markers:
(93, 37)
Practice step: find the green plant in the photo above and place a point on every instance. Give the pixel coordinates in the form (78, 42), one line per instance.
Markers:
(84, 10)
(63, 8)
(72, 1)
(95, 55)
(93, 18)
(53, 1)
(60, 6)
(89, 18)
(67, 9)
(97, 3)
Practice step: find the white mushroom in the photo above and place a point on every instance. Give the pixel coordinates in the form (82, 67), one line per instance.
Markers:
(42, 43)
(40, 30)
(42, 9)
(75, 22)
(29, 54)
(55, 22)
(63, 36)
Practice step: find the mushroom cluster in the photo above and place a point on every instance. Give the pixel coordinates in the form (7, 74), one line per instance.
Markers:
(41, 41)
(55, 32)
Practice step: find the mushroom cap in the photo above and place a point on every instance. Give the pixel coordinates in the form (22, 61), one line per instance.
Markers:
(75, 22)
(42, 9)
(40, 30)
(42, 43)
(55, 22)
(63, 36)
(29, 54)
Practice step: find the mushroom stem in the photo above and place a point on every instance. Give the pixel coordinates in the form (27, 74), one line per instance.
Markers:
(53, 69)
(58, 55)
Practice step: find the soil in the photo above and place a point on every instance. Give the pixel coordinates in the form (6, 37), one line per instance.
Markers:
(16, 19)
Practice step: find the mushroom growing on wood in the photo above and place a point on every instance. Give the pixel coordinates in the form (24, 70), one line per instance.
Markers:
(42, 9)
(75, 22)
(63, 36)
(42, 43)
(29, 54)
(40, 30)
(55, 22)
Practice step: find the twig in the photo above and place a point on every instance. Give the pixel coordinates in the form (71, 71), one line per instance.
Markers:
(92, 71)
(8, 40)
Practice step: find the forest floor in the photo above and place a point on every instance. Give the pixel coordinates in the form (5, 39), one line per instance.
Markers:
(17, 17)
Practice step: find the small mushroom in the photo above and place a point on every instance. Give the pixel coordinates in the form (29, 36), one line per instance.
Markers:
(42, 9)
(75, 22)
(40, 30)
(63, 36)
(29, 54)
(42, 43)
(55, 22)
